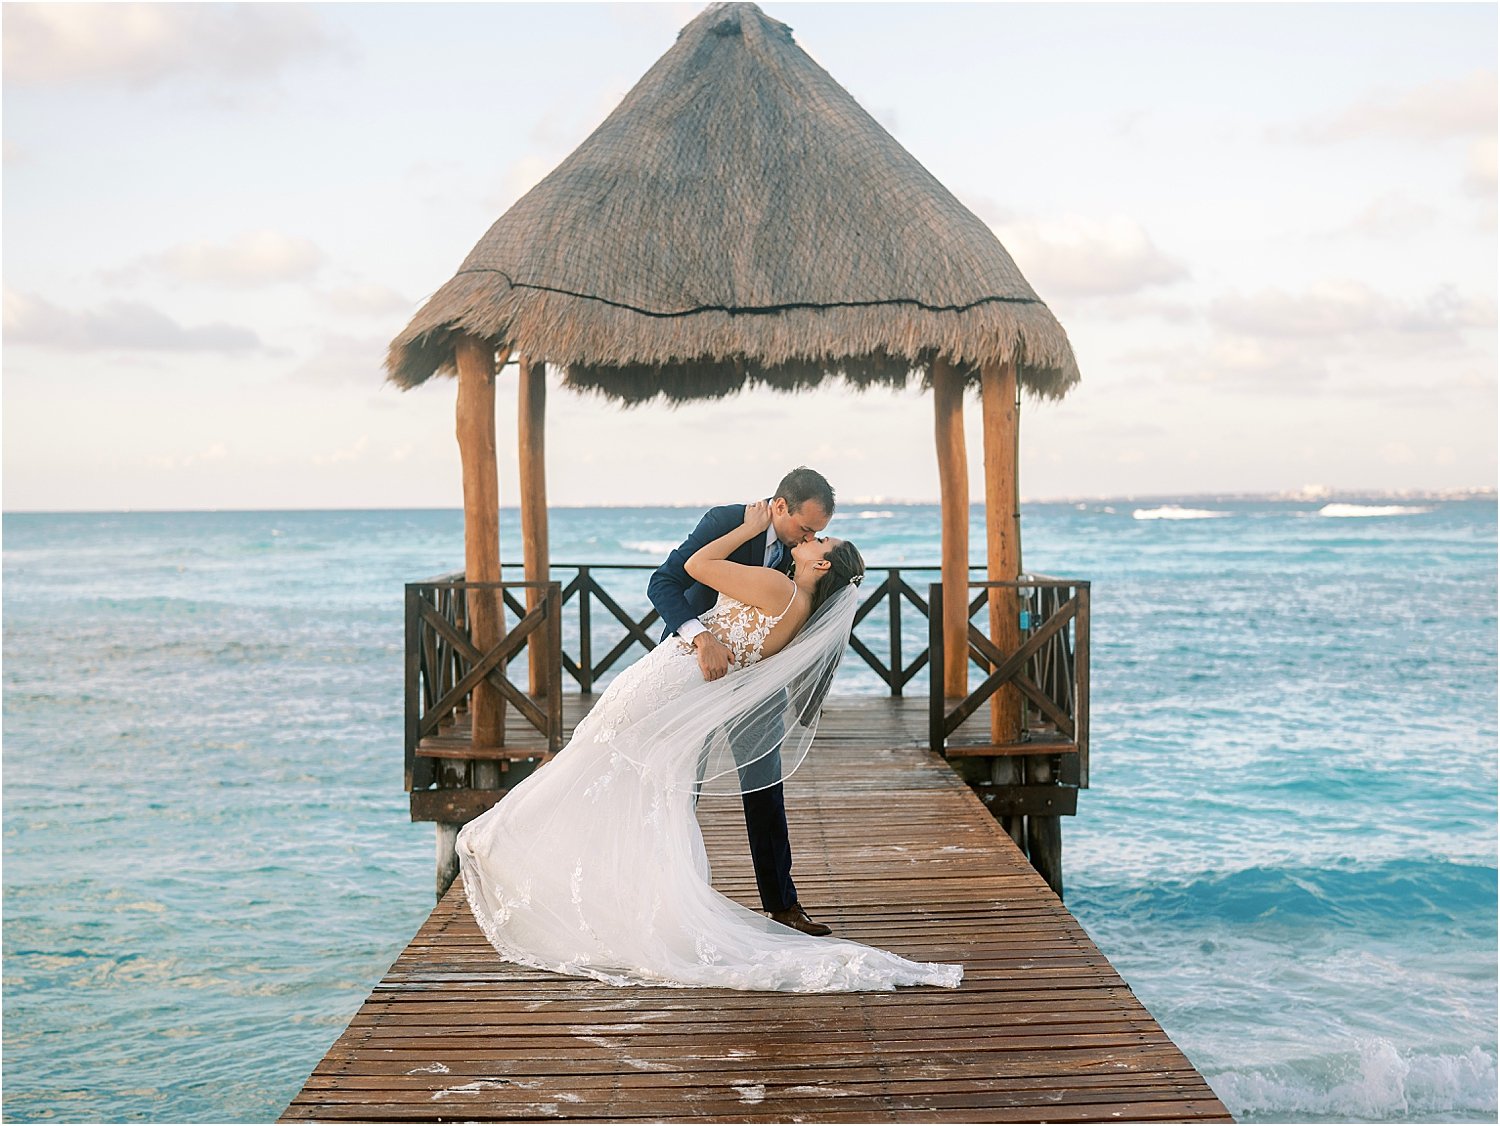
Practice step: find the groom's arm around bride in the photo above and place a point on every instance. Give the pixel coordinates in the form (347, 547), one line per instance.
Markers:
(679, 599)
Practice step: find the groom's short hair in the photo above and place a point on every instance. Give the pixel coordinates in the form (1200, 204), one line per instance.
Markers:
(804, 484)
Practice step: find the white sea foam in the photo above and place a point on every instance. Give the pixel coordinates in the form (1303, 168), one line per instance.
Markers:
(1176, 512)
(1380, 1084)
(876, 514)
(1357, 510)
(659, 548)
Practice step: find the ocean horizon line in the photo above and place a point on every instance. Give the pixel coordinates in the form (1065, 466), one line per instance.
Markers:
(1311, 495)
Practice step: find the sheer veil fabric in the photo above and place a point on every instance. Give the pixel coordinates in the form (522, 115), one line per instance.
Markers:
(595, 865)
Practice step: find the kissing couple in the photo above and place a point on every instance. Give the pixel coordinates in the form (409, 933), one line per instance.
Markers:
(595, 866)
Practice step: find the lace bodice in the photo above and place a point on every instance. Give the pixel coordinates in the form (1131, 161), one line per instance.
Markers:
(741, 627)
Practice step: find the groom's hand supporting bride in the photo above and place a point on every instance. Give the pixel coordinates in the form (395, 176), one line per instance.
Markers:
(713, 658)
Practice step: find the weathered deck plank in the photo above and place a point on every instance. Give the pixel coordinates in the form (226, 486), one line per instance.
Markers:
(891, 848)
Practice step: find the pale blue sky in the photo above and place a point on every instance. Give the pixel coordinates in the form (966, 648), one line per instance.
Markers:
(1268, 229)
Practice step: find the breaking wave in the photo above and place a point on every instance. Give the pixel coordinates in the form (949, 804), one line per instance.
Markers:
(1177, 512)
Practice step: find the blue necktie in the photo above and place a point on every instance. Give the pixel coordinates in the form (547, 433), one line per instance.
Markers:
(773, 560)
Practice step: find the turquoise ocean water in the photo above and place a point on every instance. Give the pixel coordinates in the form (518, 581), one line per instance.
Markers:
(1288, 849)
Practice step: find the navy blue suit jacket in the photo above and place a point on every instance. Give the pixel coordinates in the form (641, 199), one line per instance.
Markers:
(676, 595)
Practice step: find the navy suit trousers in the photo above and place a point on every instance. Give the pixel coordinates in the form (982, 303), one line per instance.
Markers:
(770, 851)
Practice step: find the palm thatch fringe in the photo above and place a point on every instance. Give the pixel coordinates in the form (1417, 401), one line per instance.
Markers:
(633, 357)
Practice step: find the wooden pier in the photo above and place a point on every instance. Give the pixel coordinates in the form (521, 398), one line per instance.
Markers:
(892, 848)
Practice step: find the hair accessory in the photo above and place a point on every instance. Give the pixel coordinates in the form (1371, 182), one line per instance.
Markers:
(857, 579)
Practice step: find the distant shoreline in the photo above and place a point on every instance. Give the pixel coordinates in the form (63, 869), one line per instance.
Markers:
(1303, 496)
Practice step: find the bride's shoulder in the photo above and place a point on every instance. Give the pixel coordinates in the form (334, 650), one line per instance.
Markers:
(723, 601)
(727, 603)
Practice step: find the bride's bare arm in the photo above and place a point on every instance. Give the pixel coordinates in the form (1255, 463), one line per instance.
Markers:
(761, 587)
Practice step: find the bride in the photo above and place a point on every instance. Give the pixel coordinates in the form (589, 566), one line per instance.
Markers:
(595, 865)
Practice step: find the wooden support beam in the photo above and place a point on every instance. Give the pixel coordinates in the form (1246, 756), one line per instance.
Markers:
(475, 425)
(454, 807)
(1044, 831)
(1000, 404)
(1011, 802)
(953, 484)
(1005, 775)
(531, 411)
(446, 841)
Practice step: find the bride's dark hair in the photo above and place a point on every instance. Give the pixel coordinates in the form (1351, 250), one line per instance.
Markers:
(845, 565)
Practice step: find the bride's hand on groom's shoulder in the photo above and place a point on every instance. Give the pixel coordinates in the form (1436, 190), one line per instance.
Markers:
(758, 515)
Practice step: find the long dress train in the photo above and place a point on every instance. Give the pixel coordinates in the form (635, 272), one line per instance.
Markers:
(595, 865)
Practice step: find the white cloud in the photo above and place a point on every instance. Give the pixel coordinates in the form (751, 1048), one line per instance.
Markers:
(1337, 338)
(1337, 309)
(1481, 181)
(1397, 453)
(216, 451)
(1435, 111)
(252, 259)
(1073, 256)
(521, 175)
(1137, 307)
(351, 453)
(526, 173)
(987, 207)
(1480, 176)
(1234, 362)
(667, 18)
(1390, 215)
(346, 361)
(141, 45)
(123, 325)
(366, 300)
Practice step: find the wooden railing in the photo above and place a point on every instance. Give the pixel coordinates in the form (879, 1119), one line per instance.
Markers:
(443, 665)
(586, 589)
(1050, 669)
(595, 604)
(891, 590)
(1028, 783)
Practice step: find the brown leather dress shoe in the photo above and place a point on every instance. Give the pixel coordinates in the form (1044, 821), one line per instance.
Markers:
(797, 919)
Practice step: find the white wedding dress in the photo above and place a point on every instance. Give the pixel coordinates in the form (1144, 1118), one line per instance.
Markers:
(595, 866)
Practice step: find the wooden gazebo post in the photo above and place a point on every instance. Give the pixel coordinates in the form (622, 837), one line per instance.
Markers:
(953, 487)
(474, 425)
(475, 359)
(1002, 438)
(1001, 407)
(531, 413)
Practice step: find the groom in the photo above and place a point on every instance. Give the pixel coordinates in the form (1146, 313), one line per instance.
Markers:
(800, 509)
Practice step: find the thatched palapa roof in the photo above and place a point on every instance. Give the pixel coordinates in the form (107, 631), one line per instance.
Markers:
(739, 218)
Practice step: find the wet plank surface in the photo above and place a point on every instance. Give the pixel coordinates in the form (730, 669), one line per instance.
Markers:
(890, 848)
